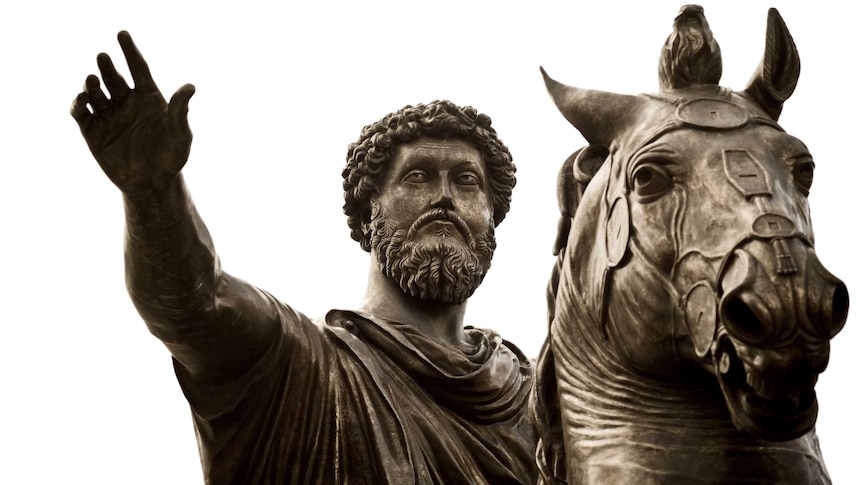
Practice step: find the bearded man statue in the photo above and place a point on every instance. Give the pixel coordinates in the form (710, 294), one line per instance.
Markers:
(395, 391)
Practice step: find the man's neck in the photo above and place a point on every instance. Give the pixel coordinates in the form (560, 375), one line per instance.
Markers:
(385, 299)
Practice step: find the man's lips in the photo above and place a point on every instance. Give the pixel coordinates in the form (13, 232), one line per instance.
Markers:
(443, 218)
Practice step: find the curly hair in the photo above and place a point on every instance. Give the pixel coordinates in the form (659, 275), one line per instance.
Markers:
(368, 157)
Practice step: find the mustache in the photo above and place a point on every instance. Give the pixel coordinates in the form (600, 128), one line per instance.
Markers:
(443, 215)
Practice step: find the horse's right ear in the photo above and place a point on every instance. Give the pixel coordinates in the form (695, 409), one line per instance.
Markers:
(575, 174)
(775, 79)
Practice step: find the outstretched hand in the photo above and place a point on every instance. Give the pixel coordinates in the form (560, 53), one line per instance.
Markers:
(140, 140)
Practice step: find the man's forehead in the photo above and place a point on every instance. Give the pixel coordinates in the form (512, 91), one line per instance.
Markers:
(438, 147)
(437, 142)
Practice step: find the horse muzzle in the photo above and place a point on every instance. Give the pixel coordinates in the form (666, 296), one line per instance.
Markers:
(778, 307)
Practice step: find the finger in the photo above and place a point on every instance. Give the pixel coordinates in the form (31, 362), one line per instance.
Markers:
(137, 65)
(97, 98)
(179, 106)
(115, 83)
(79, 110)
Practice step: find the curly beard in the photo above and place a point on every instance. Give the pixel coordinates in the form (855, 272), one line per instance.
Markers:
(448, 271)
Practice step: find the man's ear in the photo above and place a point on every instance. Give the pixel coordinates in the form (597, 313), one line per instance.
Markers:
(375, 207)
(369, 215)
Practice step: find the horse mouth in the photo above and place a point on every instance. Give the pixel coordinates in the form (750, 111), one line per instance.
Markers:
(758, 407)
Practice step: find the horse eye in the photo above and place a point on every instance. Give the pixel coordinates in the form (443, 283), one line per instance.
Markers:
(803, 175)
(650, 182)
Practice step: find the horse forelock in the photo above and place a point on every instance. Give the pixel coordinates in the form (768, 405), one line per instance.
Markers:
(690, 56)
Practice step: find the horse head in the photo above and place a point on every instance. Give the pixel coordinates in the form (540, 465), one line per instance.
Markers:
(686, 239)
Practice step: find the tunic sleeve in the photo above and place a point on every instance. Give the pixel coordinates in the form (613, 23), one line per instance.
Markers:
(242, 424)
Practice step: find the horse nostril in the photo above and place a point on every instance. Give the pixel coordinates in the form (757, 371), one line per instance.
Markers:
(840, 307)
(742, 321)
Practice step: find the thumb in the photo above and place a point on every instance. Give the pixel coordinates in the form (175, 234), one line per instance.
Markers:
(178, 108)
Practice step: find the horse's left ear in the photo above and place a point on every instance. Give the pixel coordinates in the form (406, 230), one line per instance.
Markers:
(775, 79)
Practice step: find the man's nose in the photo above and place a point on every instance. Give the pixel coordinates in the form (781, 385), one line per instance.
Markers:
(443, 194)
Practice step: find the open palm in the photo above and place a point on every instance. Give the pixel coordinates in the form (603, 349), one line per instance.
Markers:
(140, 140)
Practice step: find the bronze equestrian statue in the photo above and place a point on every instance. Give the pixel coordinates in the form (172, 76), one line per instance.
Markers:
(689, 314)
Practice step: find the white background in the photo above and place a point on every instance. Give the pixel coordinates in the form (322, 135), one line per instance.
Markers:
(90, 397)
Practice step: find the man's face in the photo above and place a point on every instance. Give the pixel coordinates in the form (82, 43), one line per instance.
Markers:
(432, 225)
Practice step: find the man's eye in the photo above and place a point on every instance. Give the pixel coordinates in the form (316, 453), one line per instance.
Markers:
(415, 178)
(468, 179)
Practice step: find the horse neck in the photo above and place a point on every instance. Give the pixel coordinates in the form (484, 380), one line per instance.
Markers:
(585, 355)
(622, 397)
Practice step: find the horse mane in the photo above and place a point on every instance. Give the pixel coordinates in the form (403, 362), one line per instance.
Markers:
(572, 180)
(574, 176)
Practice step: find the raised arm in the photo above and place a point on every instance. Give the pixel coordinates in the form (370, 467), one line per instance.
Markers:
(215, 325)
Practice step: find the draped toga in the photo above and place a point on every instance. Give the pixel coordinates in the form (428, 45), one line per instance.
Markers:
(354, 399)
